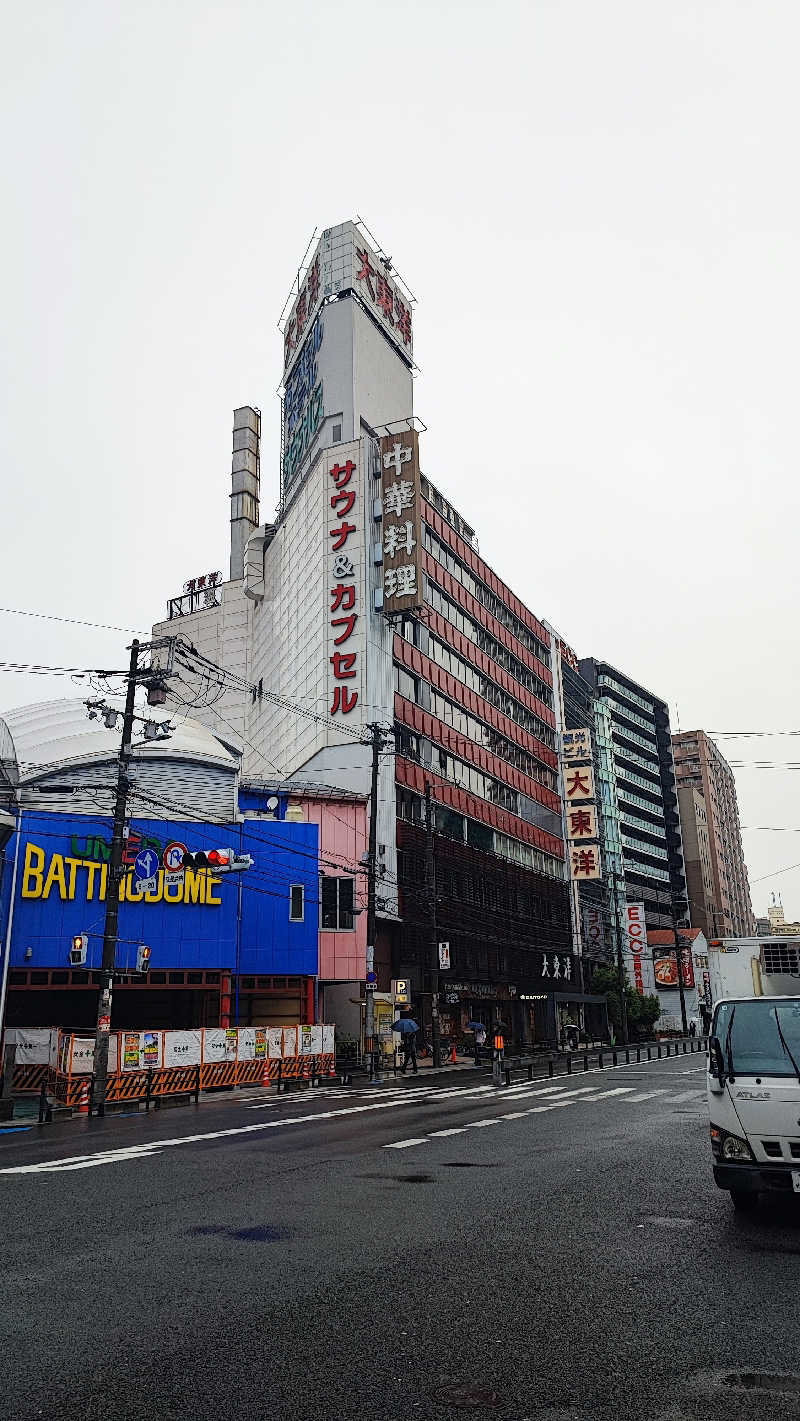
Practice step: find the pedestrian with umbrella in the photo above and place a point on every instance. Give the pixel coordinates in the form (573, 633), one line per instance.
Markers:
(408, 1029)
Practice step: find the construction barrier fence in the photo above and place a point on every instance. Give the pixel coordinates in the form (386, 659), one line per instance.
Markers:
(148, 1064)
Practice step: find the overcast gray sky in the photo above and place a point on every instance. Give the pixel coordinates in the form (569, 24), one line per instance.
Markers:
(597, 208)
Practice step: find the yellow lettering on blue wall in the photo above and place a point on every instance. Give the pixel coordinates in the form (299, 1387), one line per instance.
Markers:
(32, 871)
(210, 881)
(55, 874)
(194, 887)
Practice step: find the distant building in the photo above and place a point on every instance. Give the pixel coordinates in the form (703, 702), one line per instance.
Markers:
(697, 857)
(638, 793)
(700, 766)
(778, 925)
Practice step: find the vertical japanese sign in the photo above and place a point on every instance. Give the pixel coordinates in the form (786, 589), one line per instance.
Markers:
(302, 404)
(304, 307)
(402, 528)
(581, 815)
(593, 935)
(635, 930)
(344, 587)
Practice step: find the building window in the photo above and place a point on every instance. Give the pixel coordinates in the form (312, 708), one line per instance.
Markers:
(296, 903)
(338, 902)
(405, 683)
(336, 434)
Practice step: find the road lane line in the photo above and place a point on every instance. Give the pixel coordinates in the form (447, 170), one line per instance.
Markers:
(442, 1134)
(643, 1095)
(404, 1144)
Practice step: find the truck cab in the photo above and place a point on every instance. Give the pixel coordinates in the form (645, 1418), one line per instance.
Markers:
(754, 1096)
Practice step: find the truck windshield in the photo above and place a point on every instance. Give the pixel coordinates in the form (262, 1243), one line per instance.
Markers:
(755, 1040)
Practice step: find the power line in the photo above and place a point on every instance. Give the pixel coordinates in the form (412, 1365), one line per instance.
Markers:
(72, 621)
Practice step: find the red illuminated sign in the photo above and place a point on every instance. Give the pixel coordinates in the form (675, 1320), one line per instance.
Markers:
(343, 611)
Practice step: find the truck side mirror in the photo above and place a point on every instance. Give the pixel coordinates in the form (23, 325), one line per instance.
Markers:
(716, 1060)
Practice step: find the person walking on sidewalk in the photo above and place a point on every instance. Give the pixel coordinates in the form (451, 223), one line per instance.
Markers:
(409, 1051)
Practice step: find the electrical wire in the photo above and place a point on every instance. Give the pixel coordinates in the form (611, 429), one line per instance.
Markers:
(72, 621)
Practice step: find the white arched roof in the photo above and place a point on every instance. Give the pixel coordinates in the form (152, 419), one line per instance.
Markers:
(40, 738)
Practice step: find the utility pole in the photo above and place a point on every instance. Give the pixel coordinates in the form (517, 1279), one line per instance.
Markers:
(430, 886)
(110, 930)
(684, 1023)
(623, 1004)
(370, 1044)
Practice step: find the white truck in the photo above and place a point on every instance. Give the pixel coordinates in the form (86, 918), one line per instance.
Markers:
(754, 1066)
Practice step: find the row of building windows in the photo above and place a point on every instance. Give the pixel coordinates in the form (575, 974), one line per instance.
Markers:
(459, 772)
(616, 688)
(463, 830)
(449, 660)
(641, 848)
(639, 800)
(487, 598)
(623, 774)
(477, 730)
(624, 738)
(631, 715)
(645, 870)
(633, 821)
(636, 760)
(457, 618)
(647, 743)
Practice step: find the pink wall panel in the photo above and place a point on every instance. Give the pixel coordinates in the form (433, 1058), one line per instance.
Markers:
(342, 842)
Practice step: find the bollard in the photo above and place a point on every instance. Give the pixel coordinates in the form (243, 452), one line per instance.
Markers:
(658, 1048)
(530, 1072)
(586, 1060)
(684, 1048)
(148, 1089)
(627, 1056)
(649, 1057)
(42, 1103)
(550, 1068)
(197, 1084)
(569, 1065)
(507, 1070)
(638, 1054)
(600, 1061)
(614, 1057)
(280, 1074)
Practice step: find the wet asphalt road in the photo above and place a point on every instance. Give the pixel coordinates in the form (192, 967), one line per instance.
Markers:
(358, 1254)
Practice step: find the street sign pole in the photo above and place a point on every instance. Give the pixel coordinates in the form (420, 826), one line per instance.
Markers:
(110, 930)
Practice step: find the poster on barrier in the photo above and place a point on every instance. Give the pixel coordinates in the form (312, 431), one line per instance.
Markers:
(328, 1040)
(130, 1050)
(219, 1044)
(305, 1045)
(83, 1055)
(252, 1043)
(33, 1044)
(182, 1048)
(275, 1042)
(316, 1039)
(141, 1050)
(290, 1041)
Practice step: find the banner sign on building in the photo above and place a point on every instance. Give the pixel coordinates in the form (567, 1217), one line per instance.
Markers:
(593, 934)
(584, 861)
(401, 531)
(635, 930)
(345, 553)
(577, 744)
(303, 411)
(344, 260)
(582, 822)
(578, 782)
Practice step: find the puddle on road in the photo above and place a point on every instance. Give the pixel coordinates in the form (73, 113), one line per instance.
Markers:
(468, 1395)
(257, 1233)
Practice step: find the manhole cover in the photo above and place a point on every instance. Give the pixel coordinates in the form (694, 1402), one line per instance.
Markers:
(467, 1394)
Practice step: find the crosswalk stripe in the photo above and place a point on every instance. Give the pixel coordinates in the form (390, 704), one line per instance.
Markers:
(643, 1095)
(687, 1095)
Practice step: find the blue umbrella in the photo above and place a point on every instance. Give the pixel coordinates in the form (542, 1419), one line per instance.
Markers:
(474, 1026)
(405, 1025)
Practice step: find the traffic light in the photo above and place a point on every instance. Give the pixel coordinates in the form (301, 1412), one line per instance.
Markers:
(218, 860)
(77, 950)
(143, 958)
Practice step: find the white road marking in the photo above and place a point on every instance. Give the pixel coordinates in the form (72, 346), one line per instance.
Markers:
(643, 1095)
(481, 1124)
(686, 1095)
(441, 1134)
(404, 1144)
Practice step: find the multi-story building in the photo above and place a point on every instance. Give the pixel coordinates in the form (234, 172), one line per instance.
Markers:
(699, 765)
(776, 919)
(697, 858)
(642, 799)
(366, 603)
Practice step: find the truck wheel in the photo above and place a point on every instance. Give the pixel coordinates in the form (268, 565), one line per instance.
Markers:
(744, 1202)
